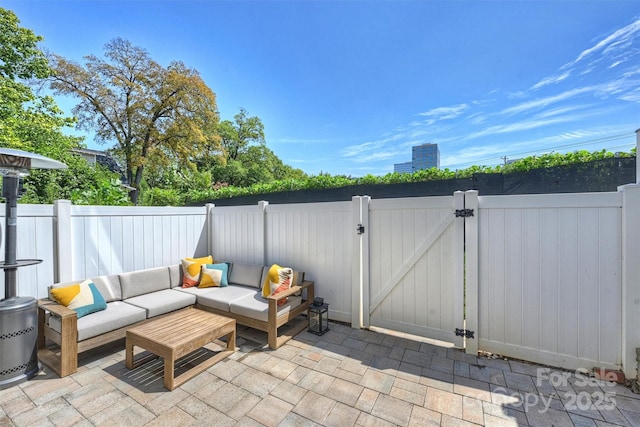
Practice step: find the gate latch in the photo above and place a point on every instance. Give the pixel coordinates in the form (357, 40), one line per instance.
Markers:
(465, 213)
(464, 333)
(360, 229)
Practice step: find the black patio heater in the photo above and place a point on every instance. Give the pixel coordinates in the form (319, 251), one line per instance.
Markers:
(18, 315)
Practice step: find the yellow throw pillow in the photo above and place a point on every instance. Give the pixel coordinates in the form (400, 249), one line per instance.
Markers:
(191, 268)
(278, 279)
(210, 277)
(84, 298)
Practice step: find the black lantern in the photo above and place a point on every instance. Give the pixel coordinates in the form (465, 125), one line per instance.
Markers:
(318, 318)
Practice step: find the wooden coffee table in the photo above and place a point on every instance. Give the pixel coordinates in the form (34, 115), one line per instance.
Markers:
(178, 334)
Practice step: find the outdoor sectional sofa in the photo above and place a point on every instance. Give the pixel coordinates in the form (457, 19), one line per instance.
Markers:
(136, 297)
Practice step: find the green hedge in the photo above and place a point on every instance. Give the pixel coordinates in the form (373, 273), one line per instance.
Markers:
(324, 181)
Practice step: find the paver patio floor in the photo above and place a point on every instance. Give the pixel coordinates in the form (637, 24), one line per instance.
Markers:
(346, 377)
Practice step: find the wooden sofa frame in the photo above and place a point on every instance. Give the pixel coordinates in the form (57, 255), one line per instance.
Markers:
(274, 321)
(64, 361)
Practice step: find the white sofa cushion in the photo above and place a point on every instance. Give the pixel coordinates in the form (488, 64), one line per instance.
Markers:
(143, 282)
(256, 307)
(175, 275)
(246, 275)
(161, 302)
(220, 298)
(117, 315)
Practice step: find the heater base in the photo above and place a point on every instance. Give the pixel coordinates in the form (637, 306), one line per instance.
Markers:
(18, 340)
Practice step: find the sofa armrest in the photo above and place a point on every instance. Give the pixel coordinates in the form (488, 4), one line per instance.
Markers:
(66, 362)
(293, 290)
(56, 309)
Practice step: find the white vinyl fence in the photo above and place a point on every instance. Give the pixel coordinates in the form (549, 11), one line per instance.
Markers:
(314, 238)
(416, 252)
(550, 282)
(78, 242)
(553, 279)
(35, 236)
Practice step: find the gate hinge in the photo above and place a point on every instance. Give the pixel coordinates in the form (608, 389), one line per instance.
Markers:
(464, 213)
(360, 229)
(464, 333)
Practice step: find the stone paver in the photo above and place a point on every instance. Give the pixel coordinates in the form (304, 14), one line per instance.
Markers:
(314, 407)
(270, 411)
(393, 410)
(346, 377)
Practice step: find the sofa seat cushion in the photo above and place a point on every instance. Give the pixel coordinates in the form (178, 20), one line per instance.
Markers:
(256, 307)
(161, 302)
(220, 298)
(117, 315)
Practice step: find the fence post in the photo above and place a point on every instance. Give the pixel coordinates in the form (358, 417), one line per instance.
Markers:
(209, 225)
(630, 277)
(262, 231)
(458, 268)
(62, 242)
(360, 262)
(471, 271)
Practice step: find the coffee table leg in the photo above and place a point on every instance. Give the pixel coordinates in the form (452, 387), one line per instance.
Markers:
(129, 354)
(169, 382)
(231, 340)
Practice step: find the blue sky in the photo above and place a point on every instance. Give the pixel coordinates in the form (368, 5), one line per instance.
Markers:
(347, 87)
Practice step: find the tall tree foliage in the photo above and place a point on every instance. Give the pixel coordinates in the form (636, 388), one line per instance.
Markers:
(21, 111)
(246, 160)
(146, 109)
(34, 123)
(239, 134)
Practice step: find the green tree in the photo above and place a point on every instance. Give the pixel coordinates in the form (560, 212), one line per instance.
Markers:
(34, 123)
(21, 110)
(147, 109)
(246, 158)
(239, 134)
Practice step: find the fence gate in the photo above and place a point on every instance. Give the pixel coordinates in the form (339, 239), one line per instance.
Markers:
(416, 266)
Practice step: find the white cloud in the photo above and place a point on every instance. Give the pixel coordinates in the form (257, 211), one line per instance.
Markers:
(518, 95)
(543, 102)
(376, 156)
(613, 41)
(551, 80)
(443, 113)
(633, 96)
(560, 111)
(534, 123)
(477, 118)
(360, 149)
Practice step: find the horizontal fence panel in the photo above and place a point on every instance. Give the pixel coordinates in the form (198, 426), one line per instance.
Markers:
(34, 240)
(565, 200)
(550, 278)
(236, 234)
(81, 210)
(112, 240)
(315, 238)
(436, 202)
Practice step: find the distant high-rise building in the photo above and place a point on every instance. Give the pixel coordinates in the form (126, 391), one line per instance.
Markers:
(406, 167)
(424, 156)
